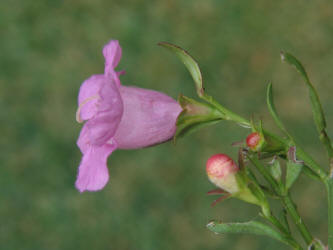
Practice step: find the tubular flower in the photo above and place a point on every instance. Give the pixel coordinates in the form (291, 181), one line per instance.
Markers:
(118, 116)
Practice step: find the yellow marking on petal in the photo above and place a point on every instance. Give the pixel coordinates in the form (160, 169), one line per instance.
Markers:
(78, 118)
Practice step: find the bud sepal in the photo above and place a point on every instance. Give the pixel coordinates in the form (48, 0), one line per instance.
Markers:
(255, 141)
(195, 115)
(261, 141)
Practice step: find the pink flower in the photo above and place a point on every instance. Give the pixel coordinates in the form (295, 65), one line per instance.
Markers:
(118, 117)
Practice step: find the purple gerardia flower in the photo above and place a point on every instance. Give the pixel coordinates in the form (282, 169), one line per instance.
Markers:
(118, 117)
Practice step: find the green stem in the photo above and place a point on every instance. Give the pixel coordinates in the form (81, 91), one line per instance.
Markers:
(266, 174)
(285, 231)
(327, 143)
(228, 114)
(277, 224)
(314, 166)
(292, 210)
(329, 187)
(288, 203)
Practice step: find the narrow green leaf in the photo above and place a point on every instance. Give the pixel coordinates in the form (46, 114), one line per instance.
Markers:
(293, 171)
(317, 109)
(272, 110)
(289, 58)
(190, 64)
(251, 227)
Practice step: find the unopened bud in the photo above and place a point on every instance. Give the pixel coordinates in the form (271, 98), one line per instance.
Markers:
(221, 171)
(255, 141)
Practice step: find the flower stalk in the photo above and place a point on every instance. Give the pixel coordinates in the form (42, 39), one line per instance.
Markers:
(286, 199)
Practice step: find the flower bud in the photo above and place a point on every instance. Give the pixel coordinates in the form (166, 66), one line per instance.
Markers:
(255, 141)
(225, 174)
(221, 171)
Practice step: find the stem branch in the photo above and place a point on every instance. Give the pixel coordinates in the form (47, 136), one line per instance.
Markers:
(272, 219)
(287, 202)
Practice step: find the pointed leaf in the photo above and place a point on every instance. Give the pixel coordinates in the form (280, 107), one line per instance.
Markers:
(272, 110)
(317, 109)
(289, 58)
(190, 64)
(293, 172)
(191, 125)
(251, 227)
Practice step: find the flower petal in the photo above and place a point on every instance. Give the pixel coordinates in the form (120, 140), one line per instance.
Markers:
(110, 110)
(93, 172)
(83, 142)
(89, 97)
(112, 53)
(149, 118)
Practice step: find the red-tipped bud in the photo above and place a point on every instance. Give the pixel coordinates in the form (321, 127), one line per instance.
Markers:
(221, 171)
(255, 141)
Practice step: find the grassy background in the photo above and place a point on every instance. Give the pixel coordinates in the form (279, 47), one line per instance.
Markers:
(156, 196)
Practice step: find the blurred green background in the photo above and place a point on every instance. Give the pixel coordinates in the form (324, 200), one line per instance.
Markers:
(156, 196)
